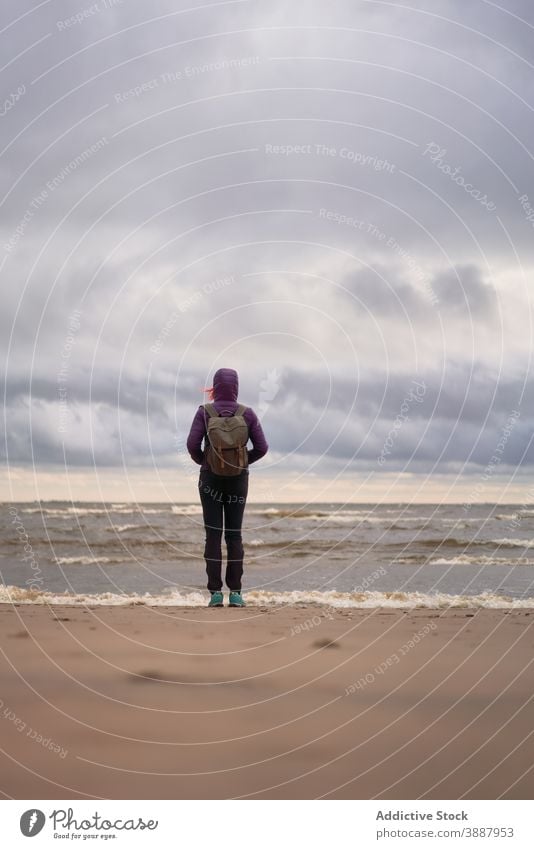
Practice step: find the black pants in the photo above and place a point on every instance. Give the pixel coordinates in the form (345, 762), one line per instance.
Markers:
(223, 501)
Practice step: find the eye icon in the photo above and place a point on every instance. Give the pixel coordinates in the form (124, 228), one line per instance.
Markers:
(31, 822)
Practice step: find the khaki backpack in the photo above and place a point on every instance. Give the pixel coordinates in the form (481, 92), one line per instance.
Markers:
(227, 437)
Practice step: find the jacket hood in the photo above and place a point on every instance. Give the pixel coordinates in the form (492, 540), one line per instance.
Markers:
(225, 385)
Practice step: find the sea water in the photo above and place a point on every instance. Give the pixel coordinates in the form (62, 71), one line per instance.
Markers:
(346, 555)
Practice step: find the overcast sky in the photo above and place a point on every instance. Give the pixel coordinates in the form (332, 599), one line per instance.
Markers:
(335, 199)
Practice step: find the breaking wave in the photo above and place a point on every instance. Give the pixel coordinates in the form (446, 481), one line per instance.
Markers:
(331, 598)
(514, 543)
(66, 512)
(480, 560)
(87, 560)
(187, 509)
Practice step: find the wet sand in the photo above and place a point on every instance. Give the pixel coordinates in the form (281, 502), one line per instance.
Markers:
(289, 703)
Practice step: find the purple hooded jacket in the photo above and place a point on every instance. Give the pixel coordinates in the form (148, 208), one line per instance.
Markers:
(226, 388)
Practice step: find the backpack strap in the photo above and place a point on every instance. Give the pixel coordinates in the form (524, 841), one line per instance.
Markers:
(210, 409)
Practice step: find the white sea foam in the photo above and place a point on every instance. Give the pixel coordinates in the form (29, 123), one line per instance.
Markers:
(310, 514)
(334, 518)
(186, 509)
(412, 558)
(87, 560)
(121, 528)
(254, 598)
(343, 517)
(480, 560)
(463, 523)
(519, 514)
(514, 543)
(346, 517)
(67, 512)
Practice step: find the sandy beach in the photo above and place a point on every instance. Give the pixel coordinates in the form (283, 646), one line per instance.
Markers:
(285, 702)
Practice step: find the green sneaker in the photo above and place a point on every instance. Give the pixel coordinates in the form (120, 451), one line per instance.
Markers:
(216, 600)
(236, 600)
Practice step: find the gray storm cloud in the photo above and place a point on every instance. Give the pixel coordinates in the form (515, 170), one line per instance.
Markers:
(338, 194)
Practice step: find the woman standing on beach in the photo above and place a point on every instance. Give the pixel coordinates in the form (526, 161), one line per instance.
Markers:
(223, 479)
